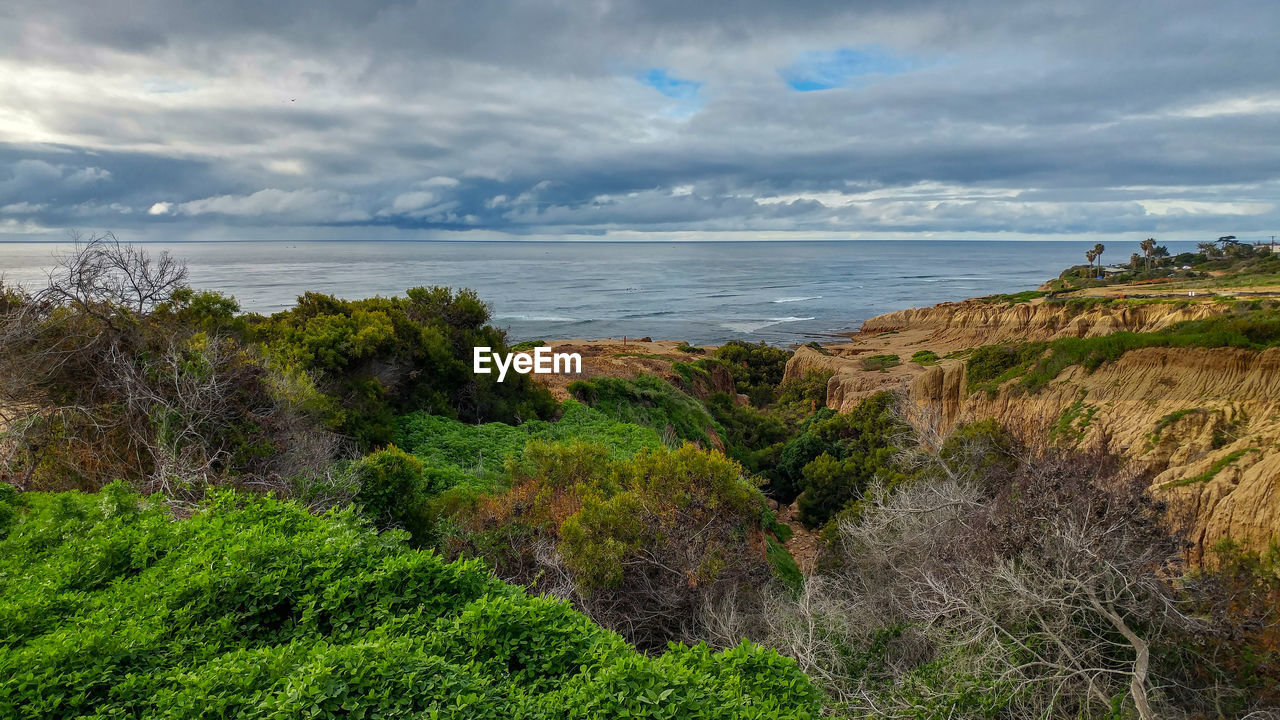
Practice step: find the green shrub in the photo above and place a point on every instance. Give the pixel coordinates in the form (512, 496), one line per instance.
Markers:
(852, 449)
(384, 356)
(651, 402)
(880, 362)
(990, 365)
(757, 369)
(255, 608)
(395, 490)
(482, 450)
(924, 357)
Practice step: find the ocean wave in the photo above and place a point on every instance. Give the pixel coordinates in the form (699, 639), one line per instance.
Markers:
(536, 318)
(797, 299)
(750, 326)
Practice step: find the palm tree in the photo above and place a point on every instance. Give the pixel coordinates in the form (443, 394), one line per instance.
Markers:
(1097, 251)
(1147, 246)
(1090, 255)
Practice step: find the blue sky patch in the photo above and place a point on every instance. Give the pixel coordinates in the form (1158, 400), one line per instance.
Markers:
(673, 87)
(827, 69)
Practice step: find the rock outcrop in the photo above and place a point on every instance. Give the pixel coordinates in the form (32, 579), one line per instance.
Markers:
(974, 322)
(1203, 424)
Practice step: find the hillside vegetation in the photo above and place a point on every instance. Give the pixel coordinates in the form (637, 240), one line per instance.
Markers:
(255, 608)
(323, 514)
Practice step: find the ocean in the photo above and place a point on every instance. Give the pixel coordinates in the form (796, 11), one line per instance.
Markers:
(784, 292)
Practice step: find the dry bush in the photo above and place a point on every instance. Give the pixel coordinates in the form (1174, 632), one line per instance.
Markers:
(100, 379)
(1006, 581)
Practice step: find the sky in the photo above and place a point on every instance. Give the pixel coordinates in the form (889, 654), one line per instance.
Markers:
(644, 119)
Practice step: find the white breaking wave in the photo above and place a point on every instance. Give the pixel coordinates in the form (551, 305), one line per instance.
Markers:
(536, 318)
(797, 299)
(750, 326)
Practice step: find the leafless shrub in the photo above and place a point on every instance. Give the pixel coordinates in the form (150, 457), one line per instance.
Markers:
(1040, 577)
(100, 275)
(97, 384)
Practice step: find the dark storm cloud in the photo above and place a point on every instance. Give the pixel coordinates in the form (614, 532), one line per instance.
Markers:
(576, 117)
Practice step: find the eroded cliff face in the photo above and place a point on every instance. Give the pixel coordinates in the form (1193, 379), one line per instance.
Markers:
(972, 322)
(1203, 424)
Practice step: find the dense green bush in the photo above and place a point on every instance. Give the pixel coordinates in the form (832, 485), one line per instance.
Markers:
(880, 362)
(444, 442)
(757, 369)
(384, 356)
(924, 357)
(989, 365)
(254, 608)
(394, 490)
(651, 402)
(843, 454)
(641, 543)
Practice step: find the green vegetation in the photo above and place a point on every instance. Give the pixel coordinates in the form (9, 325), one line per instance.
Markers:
(1218, 466)
(688, 349)
(421, 523)
(836, 456)
(255, 608)
(1038, 363)
(1073, 422)
(990, 365)
(650, 402)
(757, 369)
(1163, 423)
(880, 362)
(924, 357)
(1013, 298)
(527, 345)
(369, 355)
(643, 543)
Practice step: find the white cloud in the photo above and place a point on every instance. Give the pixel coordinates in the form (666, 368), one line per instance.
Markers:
(274, 205)
(160, 208)
(22, 208)
(412, 201)
(1200, 207)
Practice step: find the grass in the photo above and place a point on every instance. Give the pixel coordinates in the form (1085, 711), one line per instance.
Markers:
(1218, 466)
(650, 402)
(880, 362)
(1074, 421)
(1163, 423)
(990, 366)
(1013, 298)
(924, 357)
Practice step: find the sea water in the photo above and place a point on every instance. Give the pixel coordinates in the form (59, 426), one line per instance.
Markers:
(781, 292)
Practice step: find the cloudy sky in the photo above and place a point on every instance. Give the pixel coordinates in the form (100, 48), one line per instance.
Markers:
(244, 119)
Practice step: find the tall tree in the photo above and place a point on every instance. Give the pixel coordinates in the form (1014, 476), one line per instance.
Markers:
(1097, 252)
(1148, 246)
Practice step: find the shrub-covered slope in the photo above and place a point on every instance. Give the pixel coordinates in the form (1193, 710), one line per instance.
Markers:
(254, 608)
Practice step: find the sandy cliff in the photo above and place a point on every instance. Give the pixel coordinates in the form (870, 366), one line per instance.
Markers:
(974, 322)
(1204, 424)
